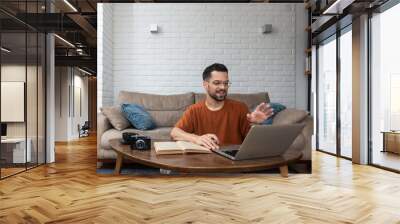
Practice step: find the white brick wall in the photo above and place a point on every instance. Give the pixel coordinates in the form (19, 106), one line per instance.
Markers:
(104, 55)
(192, 36)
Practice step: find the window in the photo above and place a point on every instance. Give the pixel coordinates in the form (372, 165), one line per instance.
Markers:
(385, 85)
(334, 94)
(345, 42)
(326, 60)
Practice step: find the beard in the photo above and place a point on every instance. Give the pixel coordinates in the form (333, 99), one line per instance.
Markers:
(219, 95)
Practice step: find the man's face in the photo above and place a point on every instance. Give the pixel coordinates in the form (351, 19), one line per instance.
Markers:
(217, 86)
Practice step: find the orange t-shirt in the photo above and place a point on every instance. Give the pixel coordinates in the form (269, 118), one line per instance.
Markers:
(230, 123)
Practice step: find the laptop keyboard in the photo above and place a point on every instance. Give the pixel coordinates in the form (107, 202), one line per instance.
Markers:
(231, 152)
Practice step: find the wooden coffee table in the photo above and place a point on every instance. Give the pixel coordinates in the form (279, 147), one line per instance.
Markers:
(200, 163)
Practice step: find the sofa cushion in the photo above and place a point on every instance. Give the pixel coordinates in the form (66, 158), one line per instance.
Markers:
(137, 116)
(165, 118)
(115, 116)
(157, 133)
(250, 99)
(290, 116)
(157, 102)
(165, 109)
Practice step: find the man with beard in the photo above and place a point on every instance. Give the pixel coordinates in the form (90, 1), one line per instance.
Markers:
(218, 121)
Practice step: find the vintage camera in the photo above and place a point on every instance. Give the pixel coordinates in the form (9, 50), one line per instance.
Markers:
(136, 141)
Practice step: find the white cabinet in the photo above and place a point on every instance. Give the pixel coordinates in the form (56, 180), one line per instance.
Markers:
(17, 145)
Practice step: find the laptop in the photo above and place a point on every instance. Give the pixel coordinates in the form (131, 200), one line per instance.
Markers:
(263, 141)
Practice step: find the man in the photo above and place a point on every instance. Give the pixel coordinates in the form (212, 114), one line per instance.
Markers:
(218, 121)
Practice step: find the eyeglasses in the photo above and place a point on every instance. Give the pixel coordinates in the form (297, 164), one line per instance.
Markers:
(225, 84)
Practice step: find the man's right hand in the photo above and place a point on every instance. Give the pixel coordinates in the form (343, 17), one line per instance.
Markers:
(209, 141)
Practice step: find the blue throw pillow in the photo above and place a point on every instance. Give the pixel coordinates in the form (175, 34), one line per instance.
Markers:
(277, 107)
(137, 116)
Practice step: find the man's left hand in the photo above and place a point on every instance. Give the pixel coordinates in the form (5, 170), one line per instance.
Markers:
(262, 112)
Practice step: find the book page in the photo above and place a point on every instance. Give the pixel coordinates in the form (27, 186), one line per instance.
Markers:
(191, 147)
(167, 148)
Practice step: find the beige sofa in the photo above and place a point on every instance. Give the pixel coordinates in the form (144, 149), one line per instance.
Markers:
(167, 109)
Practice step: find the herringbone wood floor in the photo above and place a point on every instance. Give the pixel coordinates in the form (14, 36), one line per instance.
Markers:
(70, 191)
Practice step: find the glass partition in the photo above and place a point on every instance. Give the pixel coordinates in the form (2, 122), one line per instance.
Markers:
(22, 66)
(41, 96)
(31, 98)
(13, 86)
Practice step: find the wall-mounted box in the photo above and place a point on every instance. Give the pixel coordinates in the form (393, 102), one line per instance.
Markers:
(153, 28)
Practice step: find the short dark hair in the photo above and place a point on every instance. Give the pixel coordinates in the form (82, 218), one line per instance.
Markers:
(214, 67)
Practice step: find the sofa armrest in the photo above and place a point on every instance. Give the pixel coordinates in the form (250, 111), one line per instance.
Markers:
(309, 128)
(290, 116)
(295, 116)
(307, 133)
(103, 124)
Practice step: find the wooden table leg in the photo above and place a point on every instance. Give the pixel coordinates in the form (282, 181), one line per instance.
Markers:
(284, 171)
(118, 164)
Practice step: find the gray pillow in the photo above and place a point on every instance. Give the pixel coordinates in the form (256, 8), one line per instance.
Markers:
(290, 116)
(116, 118)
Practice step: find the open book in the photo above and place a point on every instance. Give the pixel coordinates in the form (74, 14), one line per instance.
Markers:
(178, 147)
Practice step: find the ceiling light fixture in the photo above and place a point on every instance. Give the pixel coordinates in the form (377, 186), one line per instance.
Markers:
(70, 5)
(5, 50)
(84, 71)
(64, 40)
